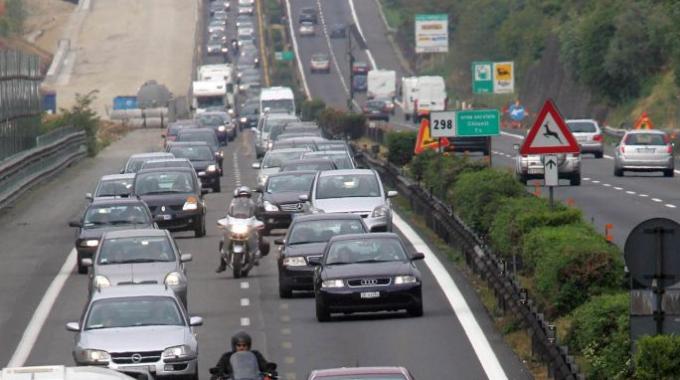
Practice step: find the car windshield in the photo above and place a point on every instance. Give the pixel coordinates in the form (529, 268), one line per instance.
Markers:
(321, 231)
(135, 250)
(134, 312)
(280, 104)
(294, 183)
(193, 153)
(341, 161)
(103, 215)
(276, 159)
(331, 146)
(167, 164)
(581, 126)
(241, 208)
(646, 139)
(371, 250)
(208, 137)
(347, 186)
(308, 166)
(166, 182)
(113, 187)
(364, 377)
(213, 120)
(319, 57)
(134, 164)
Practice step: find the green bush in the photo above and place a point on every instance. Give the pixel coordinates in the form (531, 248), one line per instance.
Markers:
(80, 116)
(658, 357)
(518, 216)
(477, 196)
(572, 263)
(311, 109)
(341, 124)
(445, 170)
(400, 147)
(599, 332)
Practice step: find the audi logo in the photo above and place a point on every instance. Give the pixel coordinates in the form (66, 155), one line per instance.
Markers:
(368, 282)
(136, 358)
(162, 208)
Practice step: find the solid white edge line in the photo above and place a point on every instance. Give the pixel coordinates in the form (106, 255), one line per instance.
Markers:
(487, 357)
(35, 325)
(297, 51)
(358, 24)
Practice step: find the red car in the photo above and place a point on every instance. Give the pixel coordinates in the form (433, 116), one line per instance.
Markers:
(361, 373)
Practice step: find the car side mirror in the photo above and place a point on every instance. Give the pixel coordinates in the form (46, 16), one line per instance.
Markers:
(186, 257)
(89, 197)
(259, 189)
(303, 197)
(74, 224)
(279, 241)
(256, 165)
(86, 262)
(73, 326)
(122, 171)
(195, 321)
(417, 256)
(314, 261)
(392, 194)
(515, 147)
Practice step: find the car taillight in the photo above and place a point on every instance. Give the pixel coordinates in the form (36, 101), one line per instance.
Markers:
(622, 149)
(597, 138)
(669, 148)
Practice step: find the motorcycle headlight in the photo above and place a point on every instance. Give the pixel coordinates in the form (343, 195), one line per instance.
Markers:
(221, 128)
(239, 229)
(173, 279)
(94, 356)
(268, 206)
(190, 204)
(332, 284)
(243, 120)
(90, 243)
(401, 280)
(211, 168)
(294, 262)
(379, 212)
(178, 353)
(100, 281)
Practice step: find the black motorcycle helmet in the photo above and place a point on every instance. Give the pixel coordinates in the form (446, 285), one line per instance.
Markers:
(241, 337)
(242, 191)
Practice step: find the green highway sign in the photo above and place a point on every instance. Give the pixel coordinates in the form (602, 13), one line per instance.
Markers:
(284, 56)
(432, 17)
(477, 123)
(482, 77)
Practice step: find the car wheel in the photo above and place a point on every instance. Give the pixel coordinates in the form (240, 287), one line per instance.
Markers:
(618, 172)
(599, 154)
(322, 314)
(217, 188)
(200, 229)
(81, 268)
(416, 311)
(285, 292)
(668, 173)
(575, 179)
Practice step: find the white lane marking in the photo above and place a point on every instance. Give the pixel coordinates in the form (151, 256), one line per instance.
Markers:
(41, 313)
(608, 157)
(514, 136)
(630, 192)
(286, 331)
(617, 188)
(480, 344)
(245, 321)
(644, 195)
(332, 53)
(245, 302)
(356, 21)
(657, 200)
(297, 51)
(245, 285)
(595, 181)
(586, 179)
(287, 345)
(670, 205)
(606, 185)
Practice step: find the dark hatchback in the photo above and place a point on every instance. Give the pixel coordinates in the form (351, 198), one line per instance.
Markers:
(376, 110)
(221, 123)
(174, 197)
(307, 237)
(206, 135)
(248, 114)
(280, 198)
(367, 272)
(103, 215)
(203, 160)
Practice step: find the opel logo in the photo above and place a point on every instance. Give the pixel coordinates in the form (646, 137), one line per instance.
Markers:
(299, 206)
(162, 208)
(136, 358)
(368, 282)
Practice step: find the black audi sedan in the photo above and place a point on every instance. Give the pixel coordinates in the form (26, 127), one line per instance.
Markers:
(307, 237)
(280, 198)
(366, 272)
(175, 198)
(202, 159)
(103, 215)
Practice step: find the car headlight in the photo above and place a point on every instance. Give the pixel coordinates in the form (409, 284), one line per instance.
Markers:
(211, 168)
(261, 179)
(270, 144)
(221, 153)
(190, 204)
(221, 128)
(173, 279)
(178, 353)
(100, 281)
(239, 229)
(401, 280)
(294, 261)
(94, 356)
(242, 87)
(268, 206)
(244, 120)
(332, 284)
(257, 60)
(379, 212)
(89, 243)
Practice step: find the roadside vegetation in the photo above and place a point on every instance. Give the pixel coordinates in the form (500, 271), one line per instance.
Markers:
(12, 17)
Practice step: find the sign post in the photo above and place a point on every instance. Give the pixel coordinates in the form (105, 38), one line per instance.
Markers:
(551, 175)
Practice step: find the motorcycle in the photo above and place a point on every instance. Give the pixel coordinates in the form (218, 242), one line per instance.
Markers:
(242, 244)
(244, 366)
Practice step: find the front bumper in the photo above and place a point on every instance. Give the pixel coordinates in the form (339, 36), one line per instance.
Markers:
(209, 179)
(182, 220)
(296, 278)
(275, 219)
(393, 297)
(160, 369)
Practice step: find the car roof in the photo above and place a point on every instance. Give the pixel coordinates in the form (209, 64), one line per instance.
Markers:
(139, 232)
(328, 173)
(187, 143)
(166, 170)
(322, 153)
(292, 172)
(360, 370)
(152, 154)
(138, 290)
(113, 177)
(311, 160)
(196, 130)
(581, 120)
(323, 216)
(372, 235)
(301, 139)
(288, 150)
(641, 131)
(105, 201)
(60, 372)
(170, 159)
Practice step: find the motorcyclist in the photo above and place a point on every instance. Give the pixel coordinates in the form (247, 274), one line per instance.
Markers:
(241, 341)
(241, 206)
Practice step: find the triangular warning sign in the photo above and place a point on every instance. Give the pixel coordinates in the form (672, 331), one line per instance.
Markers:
(425, 141)
(549, 134)
(644, 122)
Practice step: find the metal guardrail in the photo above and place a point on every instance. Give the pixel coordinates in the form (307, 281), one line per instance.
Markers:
(32, 166)
(510, 295)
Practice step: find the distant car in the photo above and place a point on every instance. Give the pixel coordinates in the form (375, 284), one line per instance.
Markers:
(338, 31)
(203, 160)
(376, 110)
(588, 135)
(246, 10)
(216, 26)
(389, 103)
(250, 57)
(273, 160)
(309, 164)
(307, 142)
(307, 29)
(113, 186)
(220, 15)
(136, 256)
(244, 39)
(359, 83)
(360, 67)
(167, 163)
(245, 30)
(206, 135)
(248, 114)
(132, 326)
(320, 62)
(104, 215)
(171, 132)
(341, 158)
(221, 123)
(246, 2)
(644, 150)
(366, 272)
(215, 7)
(216, 48)
(218, 37)
(136, 160)
(531, 166)
(242, 19)
(361, 373)
(308, 14)
(307, 237)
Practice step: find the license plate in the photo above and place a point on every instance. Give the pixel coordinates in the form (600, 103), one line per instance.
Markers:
(143, 368)
(581, 138)
(368, 295)
(645, 150)
(535, 171)
(166, 217)
(201, 174)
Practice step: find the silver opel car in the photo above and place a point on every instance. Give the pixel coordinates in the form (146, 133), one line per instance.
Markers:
(356, 191)
(140, 327)
(644, 150)
(588, 135)
(274, 160)
(146, 256)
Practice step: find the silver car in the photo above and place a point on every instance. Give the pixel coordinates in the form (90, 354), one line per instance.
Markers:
(137, 327)
(644, 150)
(139, 256)
(531, 166)
(274, 160)
(112, 186)
(356, 191)
(588, 135)
(267, 124)
(340, 158)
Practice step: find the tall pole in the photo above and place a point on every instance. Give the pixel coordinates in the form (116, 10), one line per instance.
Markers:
(350, 56)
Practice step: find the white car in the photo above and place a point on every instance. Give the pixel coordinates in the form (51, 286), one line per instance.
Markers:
(249, 10)
(246, 31)
(246, 2)
(307, 28)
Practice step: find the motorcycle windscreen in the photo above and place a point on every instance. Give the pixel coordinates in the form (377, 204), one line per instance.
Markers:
(244, 365)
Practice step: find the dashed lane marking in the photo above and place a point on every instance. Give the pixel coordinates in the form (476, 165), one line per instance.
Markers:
(291, 376)
(286, 331)
(595, 181)
(630, 192)
(670, 205)
(245, 302)
(657, 200)
(245, 285)
(289, 360)
(287, 345)
(245, 321)
(617, 188)
(606, 185)
(284, 306)
(285, 318)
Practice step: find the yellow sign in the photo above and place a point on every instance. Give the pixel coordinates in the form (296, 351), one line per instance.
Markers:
(644, 122)
(425, 140)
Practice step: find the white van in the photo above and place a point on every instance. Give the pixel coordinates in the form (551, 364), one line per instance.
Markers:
(60, 372)
(422, 95)
(277, 100)
(382, 84)
(207, 94)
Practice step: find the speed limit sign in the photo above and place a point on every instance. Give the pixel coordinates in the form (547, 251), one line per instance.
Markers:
(443, 124)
